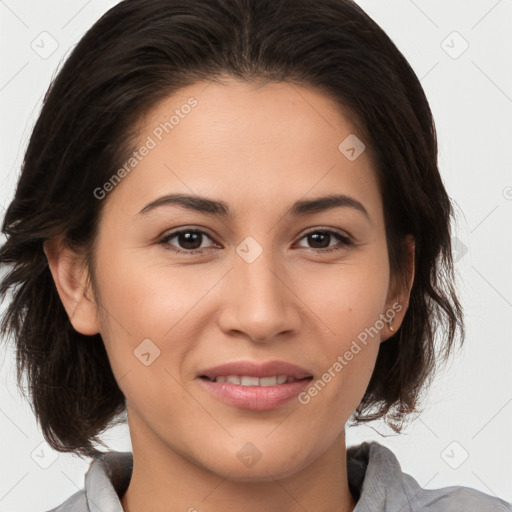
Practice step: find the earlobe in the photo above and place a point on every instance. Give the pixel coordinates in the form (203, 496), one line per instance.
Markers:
(72, 281)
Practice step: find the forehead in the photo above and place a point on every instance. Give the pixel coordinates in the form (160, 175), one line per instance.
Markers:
(249, 143)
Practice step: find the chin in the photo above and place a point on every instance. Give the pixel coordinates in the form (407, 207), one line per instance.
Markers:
(261, 472)
(248, 464)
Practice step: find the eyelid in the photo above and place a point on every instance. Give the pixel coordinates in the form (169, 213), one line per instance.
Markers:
(344, 239)
(163, 239)
(320, 229)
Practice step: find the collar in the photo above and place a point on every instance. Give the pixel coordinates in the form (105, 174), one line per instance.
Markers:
(374, 475)
(371, 469)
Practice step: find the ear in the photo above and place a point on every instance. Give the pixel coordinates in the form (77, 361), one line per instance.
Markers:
(72, 281)
(400, 291)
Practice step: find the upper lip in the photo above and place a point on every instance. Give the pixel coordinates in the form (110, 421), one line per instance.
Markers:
(252, 369)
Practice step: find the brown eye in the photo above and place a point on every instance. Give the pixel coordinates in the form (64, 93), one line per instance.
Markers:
(188, 241)
(321, 240)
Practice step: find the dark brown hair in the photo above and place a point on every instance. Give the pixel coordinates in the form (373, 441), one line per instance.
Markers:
(136, 55)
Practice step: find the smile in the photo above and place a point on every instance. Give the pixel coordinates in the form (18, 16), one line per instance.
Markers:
(247, 380)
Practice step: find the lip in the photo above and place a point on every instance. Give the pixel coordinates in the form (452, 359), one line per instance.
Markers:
(256, 398)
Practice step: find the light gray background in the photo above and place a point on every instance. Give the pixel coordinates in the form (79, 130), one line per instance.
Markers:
(469, 409)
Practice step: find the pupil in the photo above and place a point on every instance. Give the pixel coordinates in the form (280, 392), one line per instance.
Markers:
(190, 238)
(322, 236)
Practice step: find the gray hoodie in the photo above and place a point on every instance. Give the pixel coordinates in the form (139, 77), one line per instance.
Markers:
(374, 475)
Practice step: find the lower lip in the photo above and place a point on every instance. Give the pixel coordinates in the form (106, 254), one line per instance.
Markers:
(256, 398)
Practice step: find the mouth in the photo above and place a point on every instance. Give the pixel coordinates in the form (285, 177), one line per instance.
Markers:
(249, 373)
(248, 380)
(248, 385)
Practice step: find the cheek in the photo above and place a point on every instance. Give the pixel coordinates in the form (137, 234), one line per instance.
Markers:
(349, 301)
(348, 298)
(147, 299)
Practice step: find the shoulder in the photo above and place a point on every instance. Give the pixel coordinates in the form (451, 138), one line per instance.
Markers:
(452, 499)
(105, 481)
(376, 477)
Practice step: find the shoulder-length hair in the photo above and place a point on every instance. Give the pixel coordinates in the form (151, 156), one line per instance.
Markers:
(139, 53)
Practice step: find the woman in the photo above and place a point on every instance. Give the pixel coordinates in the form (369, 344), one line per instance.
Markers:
(231, 225)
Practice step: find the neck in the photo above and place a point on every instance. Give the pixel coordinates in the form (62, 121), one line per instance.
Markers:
(163, 480)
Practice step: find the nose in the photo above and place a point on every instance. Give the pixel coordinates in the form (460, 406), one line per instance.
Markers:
(258, 300)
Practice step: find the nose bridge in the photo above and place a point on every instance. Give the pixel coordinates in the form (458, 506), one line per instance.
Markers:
(260, 278)
(261, 304)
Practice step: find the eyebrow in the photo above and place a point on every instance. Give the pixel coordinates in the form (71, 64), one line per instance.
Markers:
(221, 209)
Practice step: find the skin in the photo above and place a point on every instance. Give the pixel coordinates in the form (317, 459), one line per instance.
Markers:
(259, 149)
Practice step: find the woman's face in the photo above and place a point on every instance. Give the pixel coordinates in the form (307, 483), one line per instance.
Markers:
(254, 286)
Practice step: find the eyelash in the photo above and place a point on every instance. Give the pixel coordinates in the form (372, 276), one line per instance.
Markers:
(346, 241)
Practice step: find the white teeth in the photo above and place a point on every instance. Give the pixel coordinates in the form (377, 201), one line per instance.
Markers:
(268, 381)
(249, 381)
(246, 380)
